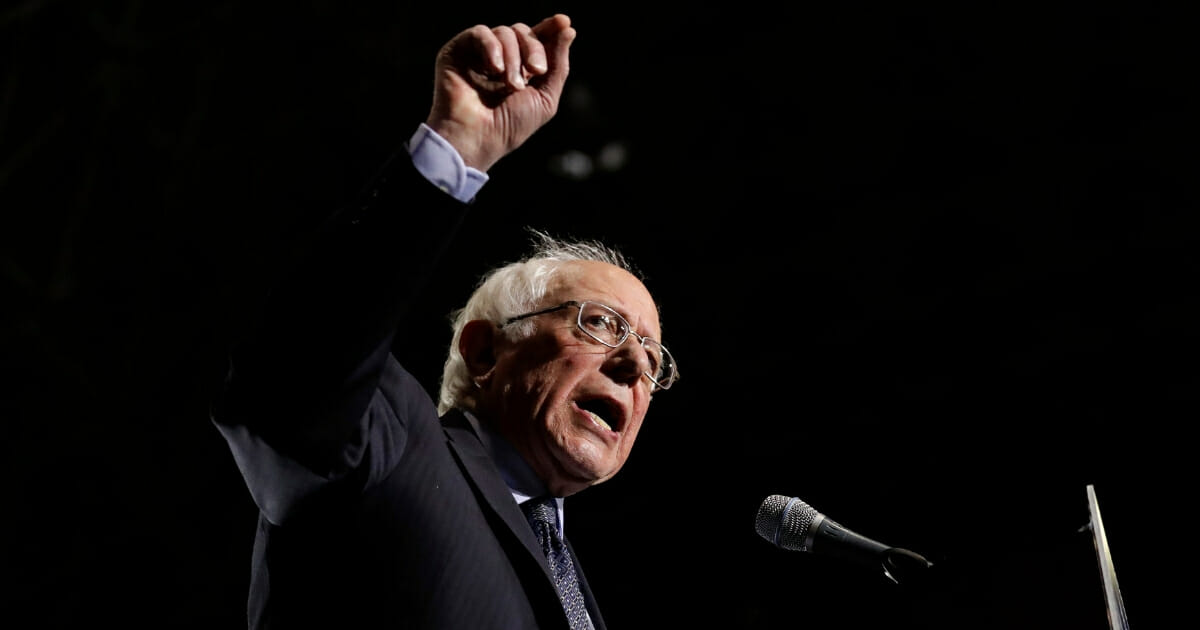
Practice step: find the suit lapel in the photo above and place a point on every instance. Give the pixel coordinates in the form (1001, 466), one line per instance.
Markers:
(482, 474)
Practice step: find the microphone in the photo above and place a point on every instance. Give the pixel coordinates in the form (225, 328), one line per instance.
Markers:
(792, 524)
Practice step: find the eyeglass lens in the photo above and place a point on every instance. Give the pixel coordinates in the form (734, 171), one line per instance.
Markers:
(609, 328)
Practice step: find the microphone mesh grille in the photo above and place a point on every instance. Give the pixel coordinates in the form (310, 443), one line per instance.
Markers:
(784, 521)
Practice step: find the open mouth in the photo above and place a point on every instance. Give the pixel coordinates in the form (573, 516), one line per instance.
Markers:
(603, 412)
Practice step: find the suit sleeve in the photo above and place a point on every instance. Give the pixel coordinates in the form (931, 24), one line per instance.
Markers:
(300, 408)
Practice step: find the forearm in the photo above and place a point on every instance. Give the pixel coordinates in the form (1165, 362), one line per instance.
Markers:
(304, 379)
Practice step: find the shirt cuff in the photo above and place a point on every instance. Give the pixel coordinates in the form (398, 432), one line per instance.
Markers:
(441, 164)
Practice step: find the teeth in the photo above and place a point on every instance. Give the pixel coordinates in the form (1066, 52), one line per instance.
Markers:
(598, 420)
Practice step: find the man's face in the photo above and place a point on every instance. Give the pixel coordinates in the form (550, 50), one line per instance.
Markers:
(569, 404)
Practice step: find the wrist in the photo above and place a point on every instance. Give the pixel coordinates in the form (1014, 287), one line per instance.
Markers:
(465, 142)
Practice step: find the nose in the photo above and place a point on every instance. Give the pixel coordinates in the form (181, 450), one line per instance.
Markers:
(628, 363)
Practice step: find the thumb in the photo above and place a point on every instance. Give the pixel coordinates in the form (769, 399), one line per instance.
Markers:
(556, 35)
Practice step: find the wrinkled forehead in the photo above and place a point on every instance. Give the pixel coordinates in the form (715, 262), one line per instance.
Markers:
(611, 285)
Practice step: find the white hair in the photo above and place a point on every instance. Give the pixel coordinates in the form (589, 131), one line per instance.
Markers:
(509, 290)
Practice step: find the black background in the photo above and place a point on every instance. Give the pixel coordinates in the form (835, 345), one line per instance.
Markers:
(930, 269)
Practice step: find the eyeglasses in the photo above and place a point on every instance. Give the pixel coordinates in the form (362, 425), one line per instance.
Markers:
(605, 325)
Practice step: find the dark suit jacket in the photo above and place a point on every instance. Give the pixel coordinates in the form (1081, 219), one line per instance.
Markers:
(374, 512)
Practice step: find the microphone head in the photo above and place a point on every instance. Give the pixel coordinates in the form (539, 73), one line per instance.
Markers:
(785, 522)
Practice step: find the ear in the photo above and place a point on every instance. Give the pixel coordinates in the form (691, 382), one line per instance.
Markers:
(476, 344)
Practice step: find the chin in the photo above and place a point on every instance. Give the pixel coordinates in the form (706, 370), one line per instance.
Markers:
(598, 460)
(588, 469)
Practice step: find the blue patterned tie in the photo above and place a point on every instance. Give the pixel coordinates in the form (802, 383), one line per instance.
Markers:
(542, 513)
